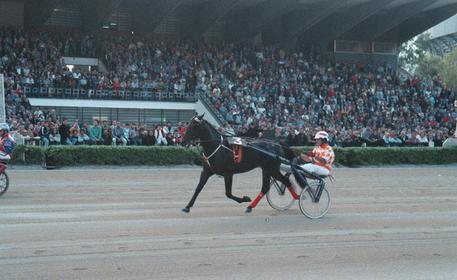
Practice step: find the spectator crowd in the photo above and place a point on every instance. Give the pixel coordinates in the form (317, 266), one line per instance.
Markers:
(260, 91)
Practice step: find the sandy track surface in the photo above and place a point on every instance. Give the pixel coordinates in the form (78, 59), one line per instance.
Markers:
(384, 223)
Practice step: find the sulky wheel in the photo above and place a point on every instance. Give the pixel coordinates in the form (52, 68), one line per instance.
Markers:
(279, 196)
(4, 183)
(309, 205)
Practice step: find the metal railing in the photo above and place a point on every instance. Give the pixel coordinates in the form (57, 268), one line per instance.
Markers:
(109, 94)
(204, 98)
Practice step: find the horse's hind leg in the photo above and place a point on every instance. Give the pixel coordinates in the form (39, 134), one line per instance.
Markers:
(266, 175)
(228, 179)
(276, 173)
(204, 176)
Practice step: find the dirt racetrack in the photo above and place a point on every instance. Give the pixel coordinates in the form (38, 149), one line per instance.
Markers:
(384, 223)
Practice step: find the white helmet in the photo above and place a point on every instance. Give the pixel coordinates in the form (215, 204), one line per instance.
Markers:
(5, 127)
(321, 135)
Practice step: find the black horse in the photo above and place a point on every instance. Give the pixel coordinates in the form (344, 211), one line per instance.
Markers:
(219, 158)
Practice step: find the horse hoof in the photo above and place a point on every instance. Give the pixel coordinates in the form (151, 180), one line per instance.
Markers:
(248, 209)
(186, 210)
(246, 199)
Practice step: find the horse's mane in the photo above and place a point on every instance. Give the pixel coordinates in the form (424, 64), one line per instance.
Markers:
(212, 128)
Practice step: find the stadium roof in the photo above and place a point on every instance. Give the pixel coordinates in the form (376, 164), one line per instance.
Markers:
(444, 36)
(277, 20)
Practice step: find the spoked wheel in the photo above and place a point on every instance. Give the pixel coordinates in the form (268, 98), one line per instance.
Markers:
(4, 183)
(308, 203)
(279, 196)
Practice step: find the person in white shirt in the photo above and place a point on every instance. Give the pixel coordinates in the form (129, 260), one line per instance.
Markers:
(422, 138)
(160, 136)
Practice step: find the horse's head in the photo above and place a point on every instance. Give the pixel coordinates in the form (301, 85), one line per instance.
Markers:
(195, 130)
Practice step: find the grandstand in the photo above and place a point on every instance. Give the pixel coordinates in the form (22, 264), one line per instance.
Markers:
(150, 62)
(444, 37)
(364, 26)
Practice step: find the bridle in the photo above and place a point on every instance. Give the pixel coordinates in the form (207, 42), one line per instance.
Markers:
(221, 145)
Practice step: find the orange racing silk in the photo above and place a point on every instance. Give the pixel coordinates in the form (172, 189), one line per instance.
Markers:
(326, 152)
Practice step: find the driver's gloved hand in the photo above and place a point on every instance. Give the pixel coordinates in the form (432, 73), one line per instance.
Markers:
(299, 161)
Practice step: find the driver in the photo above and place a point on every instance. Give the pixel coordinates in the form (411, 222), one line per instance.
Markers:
(319, 160)
(7, 144)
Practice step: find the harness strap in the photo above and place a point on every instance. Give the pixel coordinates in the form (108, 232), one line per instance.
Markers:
(207, 158)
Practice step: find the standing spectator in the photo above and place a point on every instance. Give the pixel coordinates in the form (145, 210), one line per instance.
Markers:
(64, 131)
(253, 131)
(302, 138)
(292, 138)
(160, 135)
(182, 128)
(44, 134)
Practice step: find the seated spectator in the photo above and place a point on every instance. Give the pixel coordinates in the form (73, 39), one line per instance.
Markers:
(422, 138)
(107, 136)
(171, 139)
(243, 132)
(83, 138)
(118, 135)
(133, 135)
(95, 133)
(126, 128)
(390, 139)
(75, 125)
(54, 137)
(148, 138)
(74, 136)
(178, 138)
(413, 140)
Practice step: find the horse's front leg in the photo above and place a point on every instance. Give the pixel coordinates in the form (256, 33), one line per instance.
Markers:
(228, 179)
(204, 176)
(266, 175)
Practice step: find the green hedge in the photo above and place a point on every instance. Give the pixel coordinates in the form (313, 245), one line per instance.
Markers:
(354, 157)
(28, 155)
(109, 155)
